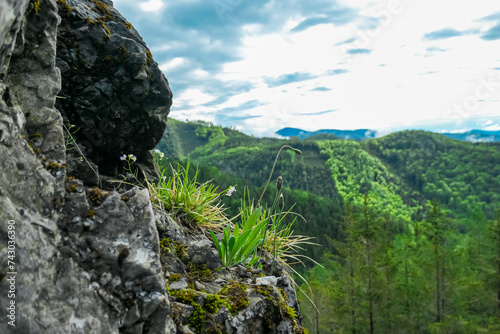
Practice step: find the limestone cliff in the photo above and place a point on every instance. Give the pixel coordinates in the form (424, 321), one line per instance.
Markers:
(86, 254)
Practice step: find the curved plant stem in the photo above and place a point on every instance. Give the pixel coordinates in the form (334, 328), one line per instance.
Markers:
(272, 170)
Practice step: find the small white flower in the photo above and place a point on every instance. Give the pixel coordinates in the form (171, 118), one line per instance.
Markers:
(230, 191)
(133, 157)
(157, 151)
(123, 157)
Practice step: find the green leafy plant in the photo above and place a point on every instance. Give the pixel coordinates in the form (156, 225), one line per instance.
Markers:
(279, 238)
(242, 245)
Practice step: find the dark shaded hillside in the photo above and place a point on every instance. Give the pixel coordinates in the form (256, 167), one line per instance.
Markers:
(459, 174)
(307, 172)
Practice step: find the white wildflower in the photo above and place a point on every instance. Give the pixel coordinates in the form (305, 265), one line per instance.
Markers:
(123, 157)
(230, 191)
(133, 157)
(160, 153)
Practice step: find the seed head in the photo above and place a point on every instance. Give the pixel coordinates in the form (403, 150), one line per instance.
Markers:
(279, 183)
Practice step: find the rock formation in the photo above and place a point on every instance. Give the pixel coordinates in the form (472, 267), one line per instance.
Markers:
(87, 256)
(111, 86)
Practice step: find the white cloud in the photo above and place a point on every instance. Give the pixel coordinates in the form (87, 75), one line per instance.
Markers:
(493, 127)
(456, 131)
(151, 5)
(173, 64)
(193, 96)
(475, 139)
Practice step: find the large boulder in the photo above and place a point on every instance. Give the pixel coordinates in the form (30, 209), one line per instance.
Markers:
(112, 89)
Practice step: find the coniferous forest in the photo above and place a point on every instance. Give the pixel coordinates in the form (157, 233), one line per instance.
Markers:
(408, 225)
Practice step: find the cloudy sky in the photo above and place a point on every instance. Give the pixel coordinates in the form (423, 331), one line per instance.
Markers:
(387, 65)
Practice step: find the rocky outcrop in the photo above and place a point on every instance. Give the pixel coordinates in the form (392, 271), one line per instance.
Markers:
(111, 88)
(80, 269)
(80, 258)
(207, 298)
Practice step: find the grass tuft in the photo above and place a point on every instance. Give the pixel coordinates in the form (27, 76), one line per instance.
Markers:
(185, 197)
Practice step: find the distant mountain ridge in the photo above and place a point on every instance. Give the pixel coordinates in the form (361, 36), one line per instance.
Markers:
(359, 134)
(363, 134)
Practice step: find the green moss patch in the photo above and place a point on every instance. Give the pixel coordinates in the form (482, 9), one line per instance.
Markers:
(149, 57)
(236, 296)
(199, 272)
(36, 5)
(201, 319)
(64, 5)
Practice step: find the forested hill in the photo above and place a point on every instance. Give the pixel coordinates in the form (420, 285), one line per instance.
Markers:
(461, 175)
(406, 168)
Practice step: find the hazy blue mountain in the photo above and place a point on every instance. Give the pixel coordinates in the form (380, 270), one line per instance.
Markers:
(362, 134)
(476, 136)
(359, 134)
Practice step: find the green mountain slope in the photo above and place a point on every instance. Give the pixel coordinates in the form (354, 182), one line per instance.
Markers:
(357, 173)
(461, 175)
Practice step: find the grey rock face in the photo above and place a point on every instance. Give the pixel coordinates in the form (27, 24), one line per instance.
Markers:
(268, 280)
(59, 286)
(179, 285)
(202, 252)
(111, 87)
(10, 22)
(52, 293)
(34, 80)
(118, 248)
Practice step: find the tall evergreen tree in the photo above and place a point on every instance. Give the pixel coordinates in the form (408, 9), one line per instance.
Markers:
(435, 230)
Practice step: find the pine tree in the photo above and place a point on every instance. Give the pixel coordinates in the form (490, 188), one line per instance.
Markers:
(495, 237)
(435, 230)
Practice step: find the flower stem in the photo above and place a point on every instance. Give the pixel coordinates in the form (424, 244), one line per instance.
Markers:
(275, 235)
(268, 218)
(272, 170)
